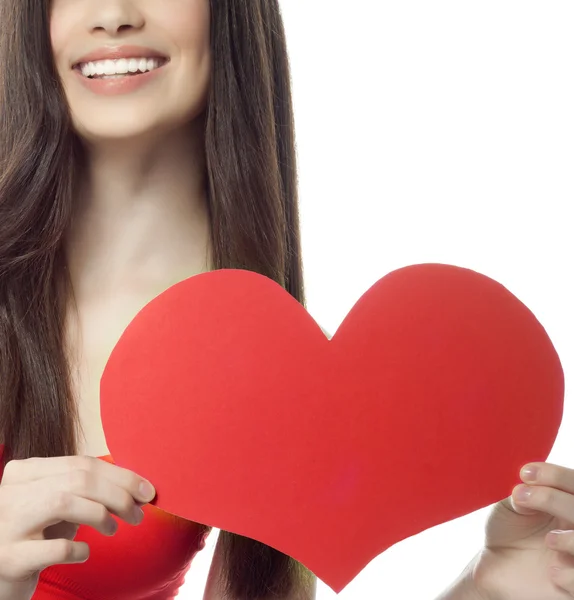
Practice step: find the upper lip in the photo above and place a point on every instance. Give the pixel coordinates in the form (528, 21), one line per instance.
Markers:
(117, 52)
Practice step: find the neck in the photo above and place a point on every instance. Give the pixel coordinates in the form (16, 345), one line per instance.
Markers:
(141, 219)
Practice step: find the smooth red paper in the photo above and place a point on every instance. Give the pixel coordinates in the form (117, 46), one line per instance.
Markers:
(436, 389)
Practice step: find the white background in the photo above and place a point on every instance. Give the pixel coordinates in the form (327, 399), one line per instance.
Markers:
(434, 132)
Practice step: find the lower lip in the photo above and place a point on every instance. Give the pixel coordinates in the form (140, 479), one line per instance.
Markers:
(119, 85)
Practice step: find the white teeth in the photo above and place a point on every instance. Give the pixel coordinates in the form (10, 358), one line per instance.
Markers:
(120, 67)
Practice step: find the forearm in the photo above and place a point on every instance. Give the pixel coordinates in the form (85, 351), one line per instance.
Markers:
(459, 590)
(463, 588)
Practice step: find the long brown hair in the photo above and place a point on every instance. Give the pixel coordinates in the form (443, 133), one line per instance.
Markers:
(253, 204)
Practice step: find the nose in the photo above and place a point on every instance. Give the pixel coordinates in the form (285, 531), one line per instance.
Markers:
(116, 16)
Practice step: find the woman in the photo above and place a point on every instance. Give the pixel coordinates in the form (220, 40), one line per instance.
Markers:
(112, 190)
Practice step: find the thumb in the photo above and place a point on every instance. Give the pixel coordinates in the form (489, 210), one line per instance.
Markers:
(510, 522)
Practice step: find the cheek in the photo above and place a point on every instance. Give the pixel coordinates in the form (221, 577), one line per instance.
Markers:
(66, 19)
(59, 36)
(189, 31)
(188, 22)
(55, 37)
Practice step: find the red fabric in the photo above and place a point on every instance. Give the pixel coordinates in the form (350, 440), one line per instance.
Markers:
(147, 562)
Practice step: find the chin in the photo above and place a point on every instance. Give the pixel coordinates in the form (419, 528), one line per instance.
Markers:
(119, 129)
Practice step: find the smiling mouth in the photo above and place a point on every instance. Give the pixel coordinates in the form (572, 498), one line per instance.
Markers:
(153, 65)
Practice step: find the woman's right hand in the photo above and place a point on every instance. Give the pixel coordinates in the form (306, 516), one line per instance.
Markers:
(42, 503)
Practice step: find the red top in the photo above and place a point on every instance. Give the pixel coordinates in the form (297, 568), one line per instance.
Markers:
(146, 562)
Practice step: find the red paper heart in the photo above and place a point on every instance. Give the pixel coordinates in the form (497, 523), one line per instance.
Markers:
(436, 389)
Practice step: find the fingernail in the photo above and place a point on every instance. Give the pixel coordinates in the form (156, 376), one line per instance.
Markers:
(138, 515)
(556, 532)
(147, 491)
(529, 473)
(112, 527)
(523, 494)
(552, 539)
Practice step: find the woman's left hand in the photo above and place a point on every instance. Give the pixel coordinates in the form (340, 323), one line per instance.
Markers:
(521, 558)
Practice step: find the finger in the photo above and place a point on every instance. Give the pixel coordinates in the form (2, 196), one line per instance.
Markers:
(89, 485)
(67, 507)
(28, 557)
(46, 502)
(33, 469)
(561, 541)
(548, 475)
(61, 530)
(554, 502)
(521, 510)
